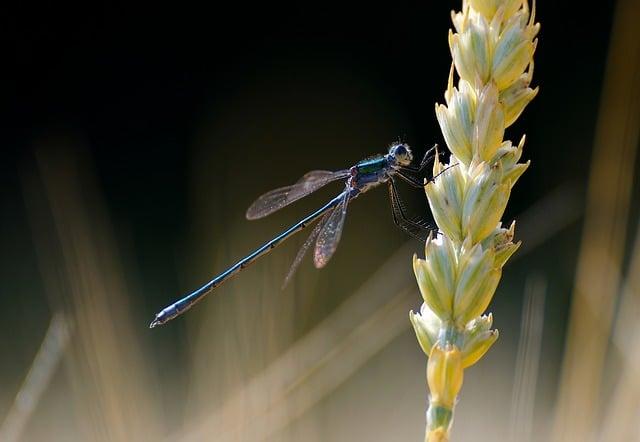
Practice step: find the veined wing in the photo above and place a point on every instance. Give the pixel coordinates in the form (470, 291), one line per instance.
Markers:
(283, 196)
(310, 240)
(329, 236)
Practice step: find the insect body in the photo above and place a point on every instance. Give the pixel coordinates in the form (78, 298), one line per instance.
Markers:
(358, 179)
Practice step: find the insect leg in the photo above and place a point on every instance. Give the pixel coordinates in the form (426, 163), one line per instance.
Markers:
(416, 229)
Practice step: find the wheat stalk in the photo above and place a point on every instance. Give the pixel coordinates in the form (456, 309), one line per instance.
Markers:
(492, 49)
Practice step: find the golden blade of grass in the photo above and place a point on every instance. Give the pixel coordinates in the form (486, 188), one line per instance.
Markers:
(325, 357)
(108, 374)
(622, 411)
(319, 362)
(263, 414)
(603, 238)
(38, 378)
(620, 421)
(528, 359)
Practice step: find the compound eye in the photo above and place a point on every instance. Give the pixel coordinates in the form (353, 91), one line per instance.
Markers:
(395, 150)
(403, 151)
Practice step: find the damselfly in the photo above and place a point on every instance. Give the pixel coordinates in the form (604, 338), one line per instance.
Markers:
(360, 178)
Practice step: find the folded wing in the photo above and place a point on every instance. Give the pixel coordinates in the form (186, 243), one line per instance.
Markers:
(283, 196)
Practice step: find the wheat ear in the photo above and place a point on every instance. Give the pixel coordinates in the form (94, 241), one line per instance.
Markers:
(492, 50)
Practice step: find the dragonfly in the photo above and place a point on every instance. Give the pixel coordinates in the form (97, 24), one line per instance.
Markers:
(360, 178)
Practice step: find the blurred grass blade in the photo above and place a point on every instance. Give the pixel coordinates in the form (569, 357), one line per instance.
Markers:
(42, 370)
(528, 360)
(317, 363)
(620, 418)
(111, 398)
(603, 239)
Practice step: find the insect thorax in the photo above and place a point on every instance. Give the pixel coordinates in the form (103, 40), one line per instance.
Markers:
(371, 165)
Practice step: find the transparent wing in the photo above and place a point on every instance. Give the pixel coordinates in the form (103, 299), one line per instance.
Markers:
(329, 236)
(310, 240)
(283, 196)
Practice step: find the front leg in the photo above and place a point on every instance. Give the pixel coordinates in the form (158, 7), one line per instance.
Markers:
(409, 179)
(428, 156)
(426, 159)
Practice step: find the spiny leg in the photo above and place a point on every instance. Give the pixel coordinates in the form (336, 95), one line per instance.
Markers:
(441, 172)
(410, 179)
(413, 228)
(428, 156)
(407, 176)
(407, 173)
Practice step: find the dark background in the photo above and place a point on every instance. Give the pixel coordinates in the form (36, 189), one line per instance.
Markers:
(172, 105)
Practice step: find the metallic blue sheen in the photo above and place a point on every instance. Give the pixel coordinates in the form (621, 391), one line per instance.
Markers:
(184, 304)
(360, 178)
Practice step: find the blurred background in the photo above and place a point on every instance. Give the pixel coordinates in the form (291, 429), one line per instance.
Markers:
(134, 137)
